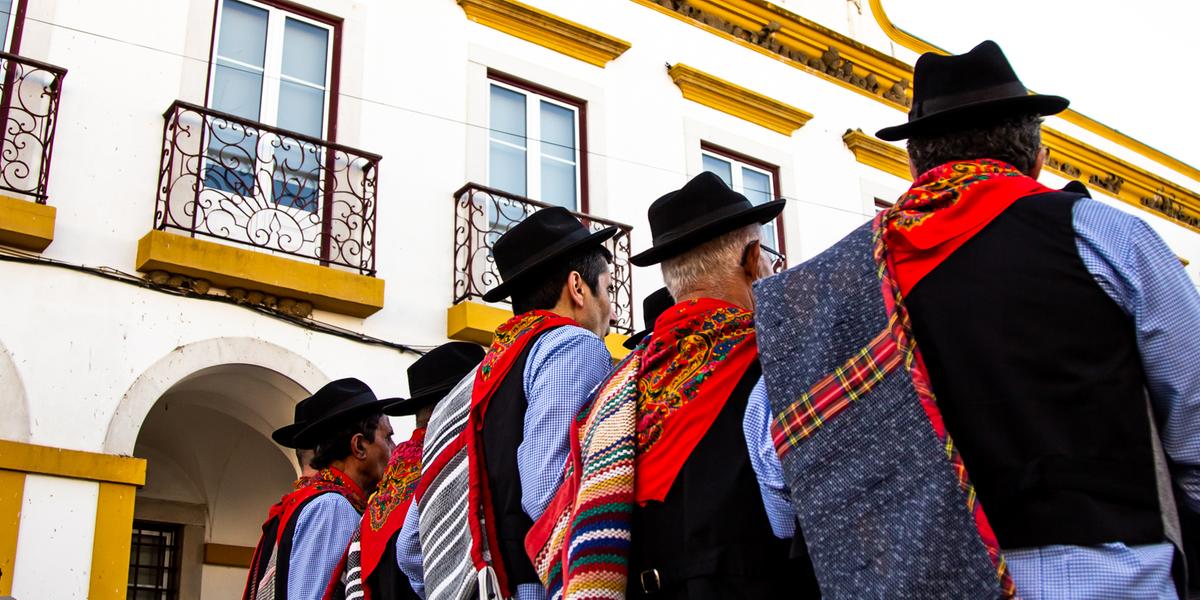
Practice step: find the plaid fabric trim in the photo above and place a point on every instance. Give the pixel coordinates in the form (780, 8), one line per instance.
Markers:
(835, 392)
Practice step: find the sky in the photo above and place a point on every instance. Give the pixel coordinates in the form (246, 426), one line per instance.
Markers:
(1131, 65)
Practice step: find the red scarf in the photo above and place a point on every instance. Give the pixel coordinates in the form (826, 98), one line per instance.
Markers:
(944, 208)
(512, 338)
(699, 351)
(387, 507)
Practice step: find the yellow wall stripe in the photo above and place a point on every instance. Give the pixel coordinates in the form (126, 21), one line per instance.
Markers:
(110, 551)
(12, 493)
(73, 464)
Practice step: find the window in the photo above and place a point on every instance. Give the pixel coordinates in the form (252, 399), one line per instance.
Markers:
(11, 14)
(154, 561)
(758, 182)
(536, 144)
(273, 67)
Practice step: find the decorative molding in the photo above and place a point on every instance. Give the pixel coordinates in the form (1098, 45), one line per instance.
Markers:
(916, 44)
(545, 29)
(1072, 159)
(876, 153)
(476, 322)
(234, 268)
(73, 464)
(26, 225)
(736, 100)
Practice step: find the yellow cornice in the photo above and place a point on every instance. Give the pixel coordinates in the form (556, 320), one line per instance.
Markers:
(794, 40)
(545, 29)
(873, 152)
(736, 100)
(74, 464)
(1072, 159)
(921, 46)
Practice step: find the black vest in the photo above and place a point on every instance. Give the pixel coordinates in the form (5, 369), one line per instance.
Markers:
(710, 538)
(387, 581)
(503, 431)
(283, 560)
(1038, 377)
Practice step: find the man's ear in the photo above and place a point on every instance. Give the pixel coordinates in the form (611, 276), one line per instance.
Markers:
(358, 446)
(1039, 162)
(575, 289)
(751, 258)
(912, 169)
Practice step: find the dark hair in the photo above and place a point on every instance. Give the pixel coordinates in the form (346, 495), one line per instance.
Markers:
(303, 454)
(336, 445)
(1015, 141)
(544, 293)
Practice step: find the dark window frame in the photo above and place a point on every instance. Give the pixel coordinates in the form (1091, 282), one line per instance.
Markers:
(758, 164)
(173, 551)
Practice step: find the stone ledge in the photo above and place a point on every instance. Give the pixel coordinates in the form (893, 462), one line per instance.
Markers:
(232, 267)
(546, 29)
(26, 224)
(476, 322)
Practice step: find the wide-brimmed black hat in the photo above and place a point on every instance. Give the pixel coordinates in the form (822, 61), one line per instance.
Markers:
(655, 304)
(965, 91)
(701, 210)
(332, 406)
(283, 435)
(433, 375)
(542, 239)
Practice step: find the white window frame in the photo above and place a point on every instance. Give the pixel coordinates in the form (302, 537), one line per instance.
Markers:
(533, 141)
(738, 186)
(268, 108)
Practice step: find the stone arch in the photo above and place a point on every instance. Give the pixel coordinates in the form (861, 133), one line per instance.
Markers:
(14, 405)
(194, 359)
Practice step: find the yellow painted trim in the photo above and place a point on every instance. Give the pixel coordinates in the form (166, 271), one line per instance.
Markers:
(228, 556)
(614, 343)
(919, 45)
(876, 153)
(474, 322)
(25, 224)
(546, 29)
(733, 99)
(74, 464)
(12, 495)
(232, 267)
(110, 550)
(1070, 158)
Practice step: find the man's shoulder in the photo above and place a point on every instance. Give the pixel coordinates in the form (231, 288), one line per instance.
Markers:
(566, 337)
(328, 505)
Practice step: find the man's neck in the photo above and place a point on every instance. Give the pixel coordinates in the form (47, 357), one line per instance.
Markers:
(741, 296)
(350, 468)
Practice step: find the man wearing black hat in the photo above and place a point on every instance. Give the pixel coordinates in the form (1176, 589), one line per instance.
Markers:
(497, 443)
(990, 423)
(662, 497)
(306, 532)
(369, 569)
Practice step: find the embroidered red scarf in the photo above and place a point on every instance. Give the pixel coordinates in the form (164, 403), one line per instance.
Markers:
(387, 507)
(695, 358)
(512, 338)
(944, 208)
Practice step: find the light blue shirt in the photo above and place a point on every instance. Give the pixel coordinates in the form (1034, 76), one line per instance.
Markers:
(564, 365)
(1141, 274)
(322, 533)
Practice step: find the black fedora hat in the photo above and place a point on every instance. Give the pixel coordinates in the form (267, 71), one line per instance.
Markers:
(333, 405)
(546, 236)
(701, 210)
(967, 90)
(283, 436)
(653, 305)
(433, 375)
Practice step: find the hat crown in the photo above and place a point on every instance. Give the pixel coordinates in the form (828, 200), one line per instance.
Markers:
(535, 233)
(450, 361)
(940, 82)
(656, 304)
(701, 196)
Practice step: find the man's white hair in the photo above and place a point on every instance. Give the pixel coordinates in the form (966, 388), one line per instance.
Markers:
(709, 264)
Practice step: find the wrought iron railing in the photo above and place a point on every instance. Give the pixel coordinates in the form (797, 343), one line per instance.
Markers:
(237, 180)
(482, 214)
(28, 115)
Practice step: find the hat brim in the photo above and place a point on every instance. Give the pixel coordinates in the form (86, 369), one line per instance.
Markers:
(517, 279)
(636, 339)
(284, 435)
(708, 229)
(309, 435)
(410, 406)
(974, 115)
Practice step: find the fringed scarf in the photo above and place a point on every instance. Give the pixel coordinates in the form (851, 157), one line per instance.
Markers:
(629, 444)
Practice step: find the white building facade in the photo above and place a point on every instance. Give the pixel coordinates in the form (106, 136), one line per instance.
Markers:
(210, 208)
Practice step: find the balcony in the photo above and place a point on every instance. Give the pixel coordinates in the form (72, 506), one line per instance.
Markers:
(481, 215)
(28, 116)
(247, 205)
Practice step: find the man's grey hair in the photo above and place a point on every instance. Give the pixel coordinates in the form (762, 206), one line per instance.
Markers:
(1015, 141)
(709, 263)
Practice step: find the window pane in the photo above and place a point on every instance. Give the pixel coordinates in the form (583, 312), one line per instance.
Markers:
(243, 33)
(558, 131)
(756, 186)
(238, 91)
(768, 238)
(507, 116)
(301, 108)
(297, 175)
(506, 168)
(304, 47)
(558, 183)
(5, 15)
(722, 168)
